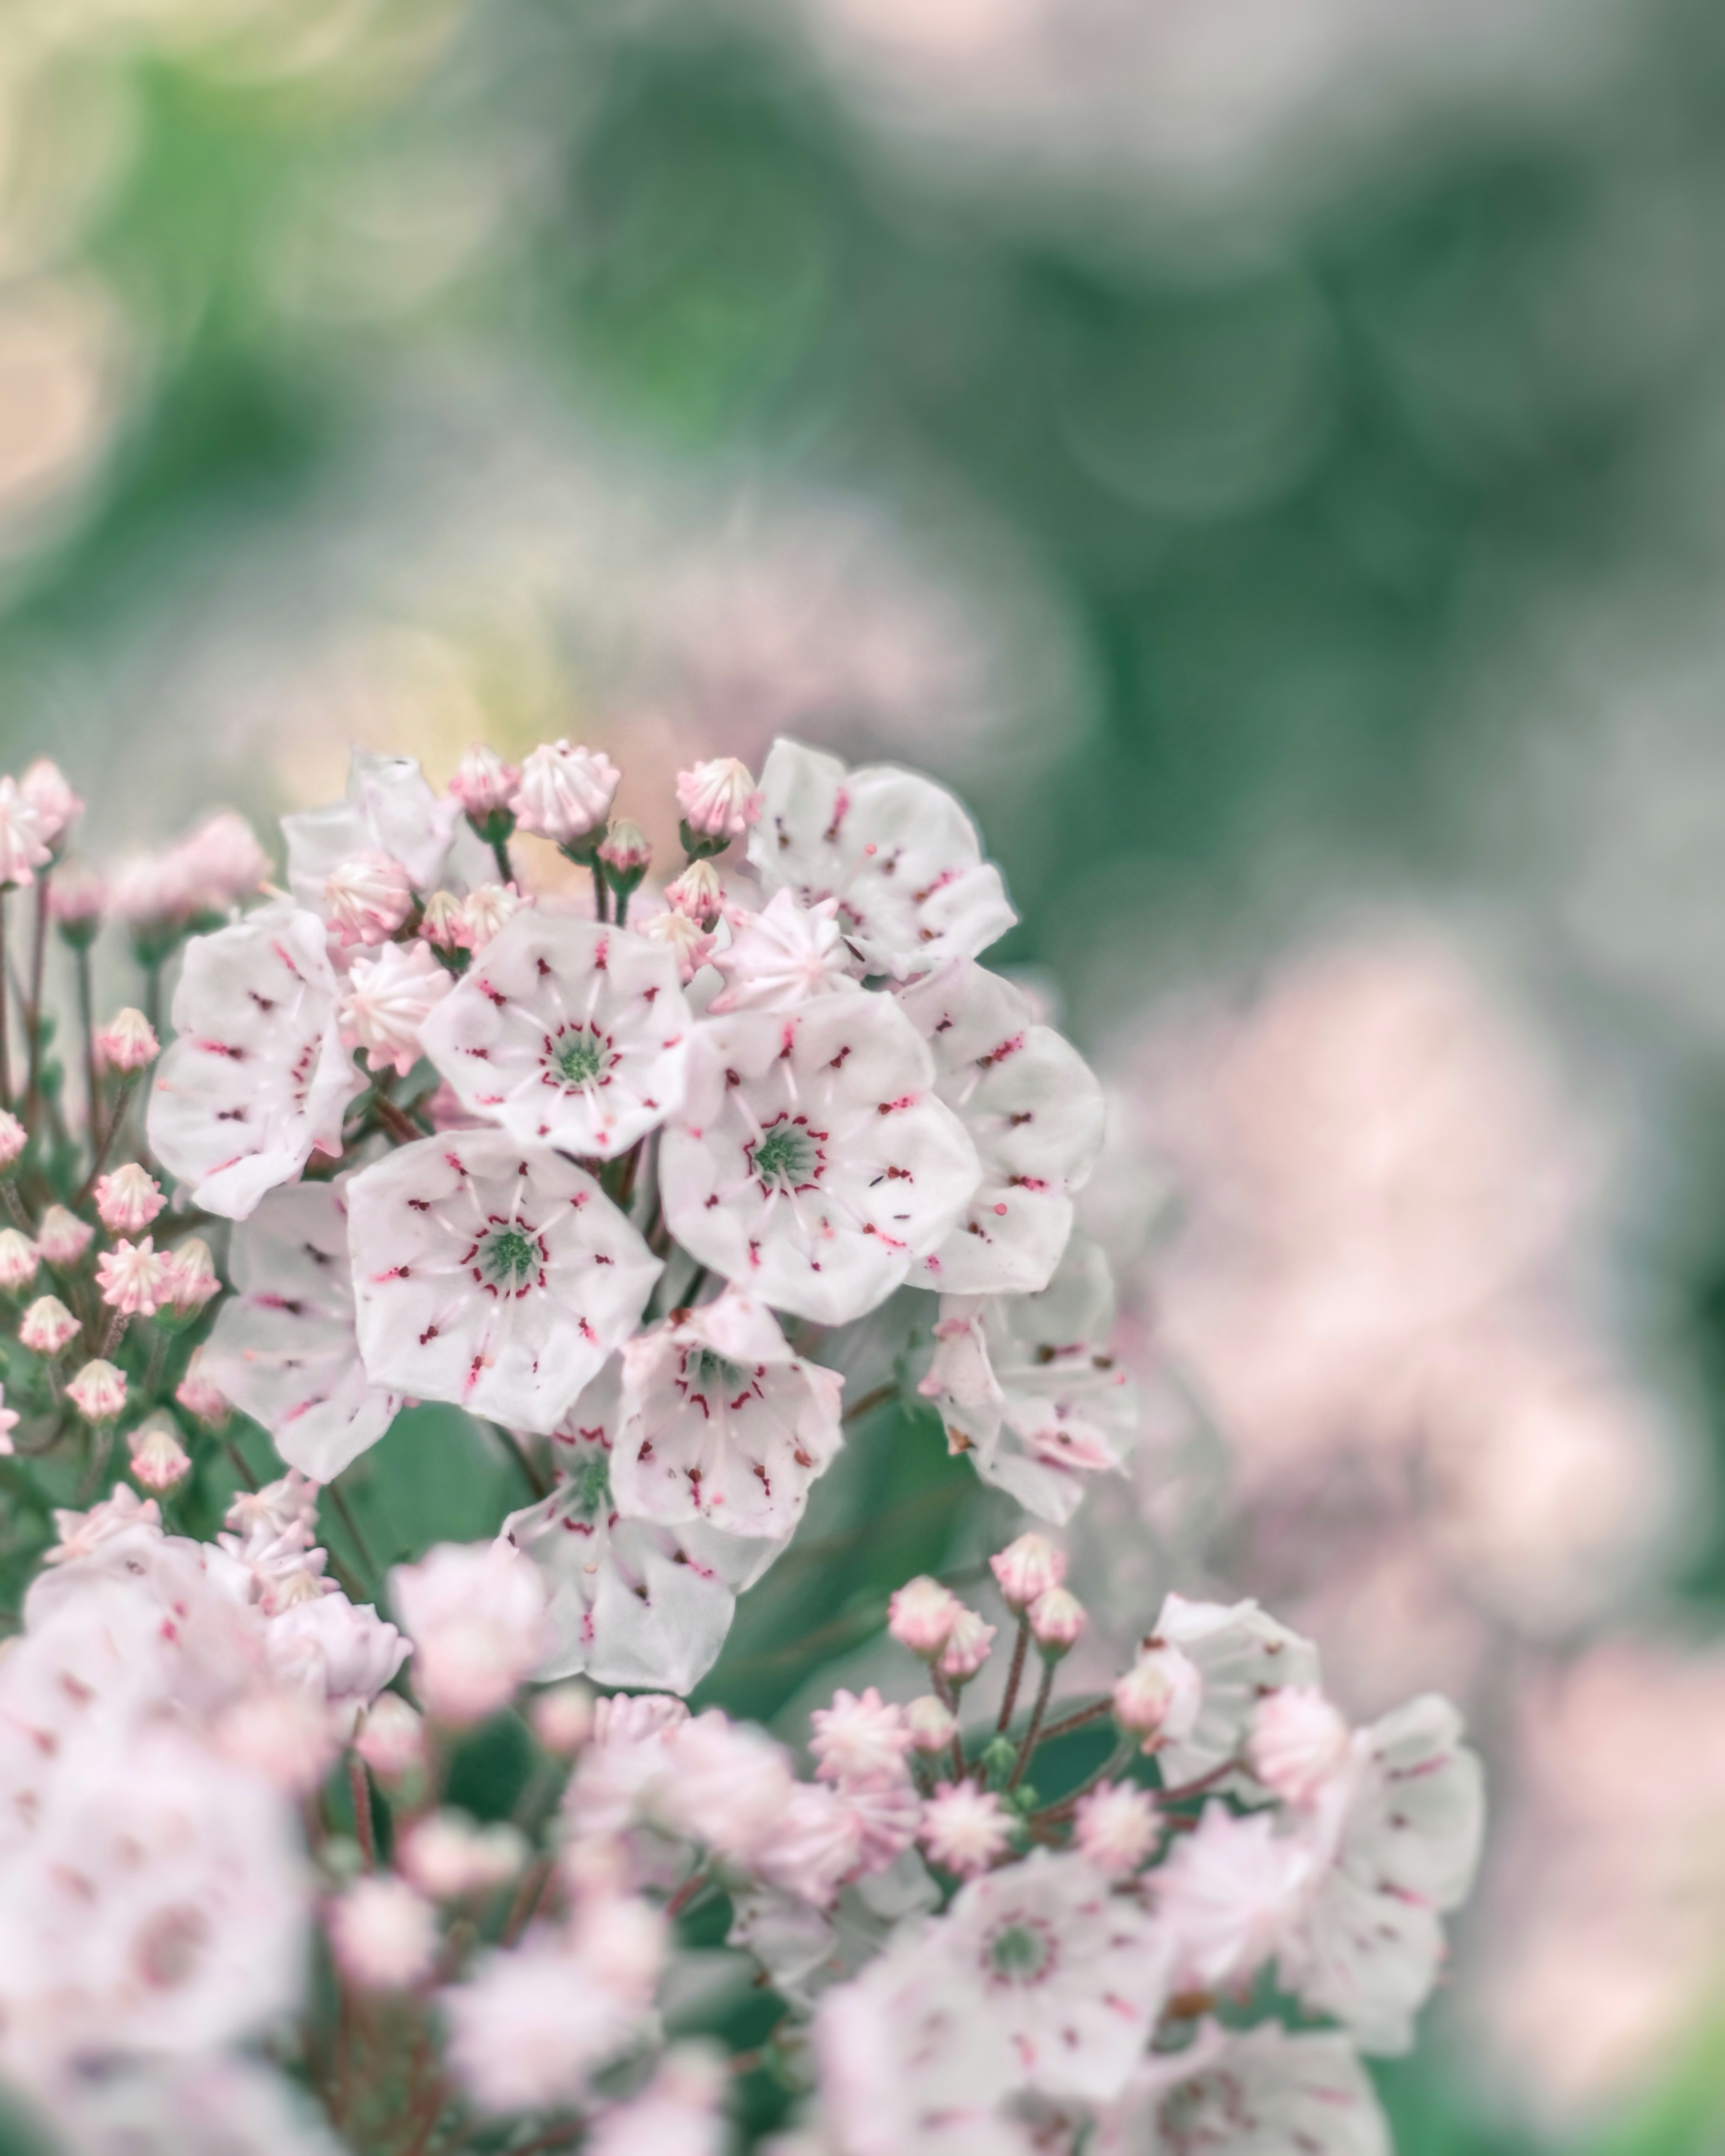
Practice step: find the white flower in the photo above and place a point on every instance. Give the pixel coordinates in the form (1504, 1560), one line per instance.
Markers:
(1230, 1893)
(218, 2106)
(567, 1032)
(1408, 1815)
(718, 799)
(1027, 1386)
(1034, 1110)
(158, 1905)
(1298, 1743)
(22, 851)
(447, 1856)
(812, 1164)
(1241, 1654)
(1070, 1973)
(341, 1651)
(565, 793)
(630, 1602)
(491, 1273)
(681, 2112)
(781, 956)
(1261, 2092)
(897, 852)
(722, 1422)
(529, 2025)
(57, 807)
(858, 1736)
(389, 809)
(284, 1349)
(1117, 1826)
(258, 1076)
(389, 999)
(476, 1613)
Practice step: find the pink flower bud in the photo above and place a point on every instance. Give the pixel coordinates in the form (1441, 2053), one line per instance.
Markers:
(698, 892)
(1115, 1826)
(217, 865)
(199, 1398)
(1058, 1622)
(484, 912)
(443, 922)
(565, 793)
(1026, 1568)
(933, 1723)
(624, 850)
(47, 1326)
(128, 1199)
(1299, 1742)
(686, 937)
(967, 1647)
(22, 851)
(283, 1735)
(98, 1392)
(17, 1260)
(63, 1237)
(368, 896)
(718, 799)
(446, 1856)
(158, 1459)
(1158, 1697)
(191, 1278)
(384, 1936)
(562, 1718)
(57, 807)
(392, 1738)
(921, 1616)
(965, 1829)
(484, 783)
(77, 899)
(127, 1042)
(130, 1276)
(13, 1138)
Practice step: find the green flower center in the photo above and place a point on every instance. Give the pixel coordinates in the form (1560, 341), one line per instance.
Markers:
(578, 1058)
(1020, 1954)
(785, 1157)
(587, 1485)
(705, 1372)
(509, 1258)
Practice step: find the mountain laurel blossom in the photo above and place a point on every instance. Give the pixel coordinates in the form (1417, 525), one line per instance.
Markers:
(574, 1293)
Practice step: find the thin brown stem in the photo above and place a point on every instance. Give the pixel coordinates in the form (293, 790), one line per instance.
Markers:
(528, 1894)
(870, 1401)
(691, 1887)
(1203, 1782)
(241, 1465)
(1033, 1735)
(1015, 1675)
(99, 1159)
(598, 890)
(1079, 1718)
(400, 1127)
(86, 1020)
(32, 1013)
(5, 1045)
(359, 1788)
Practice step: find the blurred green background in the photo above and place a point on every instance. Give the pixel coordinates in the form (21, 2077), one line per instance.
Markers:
(1265, 453)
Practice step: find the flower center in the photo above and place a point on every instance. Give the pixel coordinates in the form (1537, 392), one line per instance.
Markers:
(786, 1156)
(577, 1058)
(712, 1374)
(1203, 2113)
(587, 1485)
(1021, 1952)
(509, 1260)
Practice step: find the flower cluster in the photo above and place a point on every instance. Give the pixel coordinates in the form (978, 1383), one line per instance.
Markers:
(636, 1199)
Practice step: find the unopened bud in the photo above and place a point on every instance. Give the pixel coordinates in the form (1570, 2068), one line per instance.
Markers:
(158, 1459)
(1058, 1622)
(1298, 1741)
(98, 1392)
(562, 1718)
(444, 923)
(13, 1138)
(698, 892)
(17, 1260)
(78, 898)
(483, 784)
(392, 1738)
(686, 937)
(1159, 1696)
(57, 807)
(368, 896)
(921, 1616)
(626, 854)
(933, 1723)
(719, 803)
(1026, 1568)
(128, 1199)
(484, 912)
(566, 794)
(63, 1237)
(203, 1401)
(384, 1936)
(966, 1647)
(47, 1326)
(191, 1279)
(127, 1042)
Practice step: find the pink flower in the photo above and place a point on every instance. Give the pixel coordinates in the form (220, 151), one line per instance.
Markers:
(526, 2026)
(889, 1813)
(683, 937)
(384, 1935)
(967, 1649)
(1159, 1694)
(698, 893)
(128, 1199)
(191, 1279)
(1026, 1568)
(158, 1459)
(1298, 1743)
(127, 1042)
(130, 1276)
(218, 864)
(484, 783)
(931, 1723)
(57, 807)
(22, 851)
(562, 1718)
(1231, 1893)
(816, 1847)
(78, 898)
(17, 1260)
(368, 896)
(1058, 1622)
(718, 799)
(446, 1856)
(476, 1613)
(13, 1138)
(47, 1326)
(341, 1651)
(9, 1420)
(1115, 1826)
(965, 1829)
(921, 1615)
(565, 793)
(859, 1736)
(391, 1738)
(783, 955)
(389, 997)
(63, 1237)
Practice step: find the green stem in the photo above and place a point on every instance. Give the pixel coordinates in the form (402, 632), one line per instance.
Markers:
(5, 1046)
(86, 1019)
(32, 1015)
(499, 854)
(598, 890)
